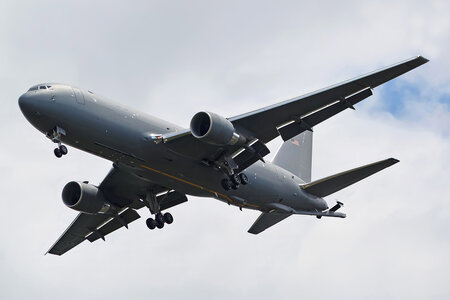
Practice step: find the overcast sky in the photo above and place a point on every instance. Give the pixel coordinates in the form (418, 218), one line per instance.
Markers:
(174, 59)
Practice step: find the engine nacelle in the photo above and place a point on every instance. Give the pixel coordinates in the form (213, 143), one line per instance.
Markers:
(214, 129)
(85, 198)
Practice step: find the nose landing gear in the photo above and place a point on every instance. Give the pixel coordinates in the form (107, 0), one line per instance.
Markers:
(55, 136)
(60, 151)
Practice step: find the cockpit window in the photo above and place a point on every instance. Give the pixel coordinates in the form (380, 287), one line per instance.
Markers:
(40, 87)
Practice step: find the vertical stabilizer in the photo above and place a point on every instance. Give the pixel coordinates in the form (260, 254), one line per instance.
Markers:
(295, 155)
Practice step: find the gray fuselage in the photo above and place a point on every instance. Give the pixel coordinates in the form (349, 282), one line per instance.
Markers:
(124, 136)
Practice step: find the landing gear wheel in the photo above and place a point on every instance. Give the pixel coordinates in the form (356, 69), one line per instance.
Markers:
(159, 224)
(235, 186)
(159, 219)
(63, 150)
(151, 224)
(244, 178)
(226, 184)
(57, 152)
(235, 179)
(168, 218)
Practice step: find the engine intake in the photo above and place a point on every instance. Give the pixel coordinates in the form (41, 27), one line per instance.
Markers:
(85, 198)
(214, 129)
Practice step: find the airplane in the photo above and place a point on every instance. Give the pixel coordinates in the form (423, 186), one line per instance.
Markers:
(156, 164)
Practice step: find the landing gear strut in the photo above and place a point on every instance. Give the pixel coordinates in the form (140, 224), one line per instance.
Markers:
(55, 136)
(234, 181)
(160, 219)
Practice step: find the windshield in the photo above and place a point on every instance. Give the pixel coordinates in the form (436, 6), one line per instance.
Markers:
(39, 87)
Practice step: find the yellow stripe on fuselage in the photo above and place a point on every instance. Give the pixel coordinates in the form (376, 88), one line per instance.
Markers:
(195, 185)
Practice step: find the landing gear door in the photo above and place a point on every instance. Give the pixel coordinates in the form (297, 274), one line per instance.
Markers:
(78, 95)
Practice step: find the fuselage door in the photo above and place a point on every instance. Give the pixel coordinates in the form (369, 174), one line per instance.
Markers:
(78, 95)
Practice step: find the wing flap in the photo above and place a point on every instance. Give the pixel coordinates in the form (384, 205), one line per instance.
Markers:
(331, 184)
(250, 155)
(302, 124)
(115, 222)
(91, 227)
(76, 232)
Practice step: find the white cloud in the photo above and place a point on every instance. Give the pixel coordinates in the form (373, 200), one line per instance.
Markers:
(173, 60)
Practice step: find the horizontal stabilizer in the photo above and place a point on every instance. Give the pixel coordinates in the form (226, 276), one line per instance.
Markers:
(329, 185)
(266, 220)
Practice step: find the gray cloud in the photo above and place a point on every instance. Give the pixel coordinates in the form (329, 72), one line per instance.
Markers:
(231, 57)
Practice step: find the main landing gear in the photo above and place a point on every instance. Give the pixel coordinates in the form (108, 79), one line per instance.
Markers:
(234, 181)
(151, 201)
(55, 136)
(159, 220)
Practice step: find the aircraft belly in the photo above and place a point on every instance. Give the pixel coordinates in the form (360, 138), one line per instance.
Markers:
(291, 195)
(263, 186)
(199, 180)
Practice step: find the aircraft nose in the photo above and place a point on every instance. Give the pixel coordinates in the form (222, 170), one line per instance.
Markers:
(24, 103)
(29, 107)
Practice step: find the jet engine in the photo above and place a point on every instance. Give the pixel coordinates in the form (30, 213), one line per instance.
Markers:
(214, 129)
(85, 198)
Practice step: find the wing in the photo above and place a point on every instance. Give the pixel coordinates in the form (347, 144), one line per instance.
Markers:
(288, 118)
(124, 189)
(264, 122)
